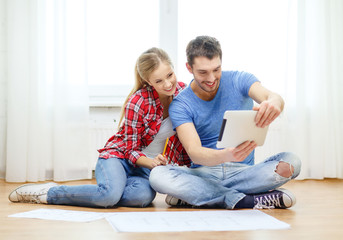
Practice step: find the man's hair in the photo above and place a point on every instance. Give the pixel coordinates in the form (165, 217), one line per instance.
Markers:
(203, 46)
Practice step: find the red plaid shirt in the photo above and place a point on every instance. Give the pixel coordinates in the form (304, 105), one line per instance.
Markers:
(142, 121)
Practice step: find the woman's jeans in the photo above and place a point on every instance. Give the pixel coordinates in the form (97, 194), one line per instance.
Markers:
(118, 184)
(223, 185)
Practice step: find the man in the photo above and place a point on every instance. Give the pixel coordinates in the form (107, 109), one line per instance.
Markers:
(225, 178)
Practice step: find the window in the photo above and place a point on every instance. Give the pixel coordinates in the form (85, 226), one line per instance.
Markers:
(253, 35)
(117, 32)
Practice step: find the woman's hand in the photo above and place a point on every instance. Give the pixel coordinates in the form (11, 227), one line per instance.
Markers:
(151, 163)
(158, 161)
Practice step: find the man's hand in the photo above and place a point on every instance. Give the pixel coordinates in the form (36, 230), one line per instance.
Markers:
(271, 104)
(267, 113)
(241, 152)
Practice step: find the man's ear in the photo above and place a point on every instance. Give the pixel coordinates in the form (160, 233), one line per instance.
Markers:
(189, 68)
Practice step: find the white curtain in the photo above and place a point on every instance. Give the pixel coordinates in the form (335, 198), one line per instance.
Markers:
(47, 98)
(315, 100)
(312, 122)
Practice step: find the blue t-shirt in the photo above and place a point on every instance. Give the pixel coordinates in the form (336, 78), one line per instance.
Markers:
(207, 116)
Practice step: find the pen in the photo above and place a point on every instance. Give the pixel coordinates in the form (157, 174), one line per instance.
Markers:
(165, 146)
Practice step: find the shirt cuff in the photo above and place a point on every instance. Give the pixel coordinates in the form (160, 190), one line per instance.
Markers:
(133, 157)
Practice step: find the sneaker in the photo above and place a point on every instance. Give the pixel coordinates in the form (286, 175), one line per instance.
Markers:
(279, 198)
(173, 201)
(31, 193)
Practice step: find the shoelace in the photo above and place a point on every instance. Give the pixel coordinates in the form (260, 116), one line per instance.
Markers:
(268, 201)
(28, 197)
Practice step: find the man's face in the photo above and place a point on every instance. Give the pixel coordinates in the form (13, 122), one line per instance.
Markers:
(207, 74)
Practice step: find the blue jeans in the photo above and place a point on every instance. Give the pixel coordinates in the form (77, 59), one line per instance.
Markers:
(224, 185)
(118, 184)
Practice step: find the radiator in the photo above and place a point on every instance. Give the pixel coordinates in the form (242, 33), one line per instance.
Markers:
(99, 134)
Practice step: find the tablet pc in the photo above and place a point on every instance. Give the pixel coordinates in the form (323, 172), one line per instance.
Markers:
(238, 127)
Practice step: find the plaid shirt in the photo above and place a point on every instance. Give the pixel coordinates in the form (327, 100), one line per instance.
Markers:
(142, 121)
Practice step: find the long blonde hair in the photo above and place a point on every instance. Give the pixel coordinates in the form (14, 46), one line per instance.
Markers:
(147, 62)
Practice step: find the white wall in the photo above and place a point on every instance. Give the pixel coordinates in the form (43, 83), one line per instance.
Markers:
(3, 75)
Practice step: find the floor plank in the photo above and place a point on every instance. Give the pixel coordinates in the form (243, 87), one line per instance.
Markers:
(318, 214)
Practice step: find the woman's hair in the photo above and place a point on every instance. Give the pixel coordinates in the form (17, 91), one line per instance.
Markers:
(147, 62)
(203, 46)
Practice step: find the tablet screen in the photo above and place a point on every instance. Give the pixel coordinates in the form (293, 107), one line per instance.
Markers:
(238, 127)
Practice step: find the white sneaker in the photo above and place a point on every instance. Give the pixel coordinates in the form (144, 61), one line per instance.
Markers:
(173, 201)
(31, 193)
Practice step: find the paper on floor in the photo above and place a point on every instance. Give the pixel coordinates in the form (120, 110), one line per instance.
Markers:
(62, 215)
(194, 221)
(178, 221)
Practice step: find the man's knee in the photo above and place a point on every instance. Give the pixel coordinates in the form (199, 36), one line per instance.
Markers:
(284, 169)
(290, 168)
(156, 176)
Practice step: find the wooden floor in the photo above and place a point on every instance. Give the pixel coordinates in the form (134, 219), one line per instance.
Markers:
(318, 214)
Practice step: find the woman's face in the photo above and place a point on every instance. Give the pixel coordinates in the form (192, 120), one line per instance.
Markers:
(163, 79)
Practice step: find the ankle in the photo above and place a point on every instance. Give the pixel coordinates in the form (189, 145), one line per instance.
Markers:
(246, 202)
(44, 198)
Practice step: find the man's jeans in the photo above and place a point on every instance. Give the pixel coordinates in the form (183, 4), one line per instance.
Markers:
(223, 185)
(118, 184)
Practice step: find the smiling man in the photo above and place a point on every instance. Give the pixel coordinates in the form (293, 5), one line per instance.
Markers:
(226, 178)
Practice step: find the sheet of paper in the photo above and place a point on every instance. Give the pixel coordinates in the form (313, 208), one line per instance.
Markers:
(62, 215)
(194, 221)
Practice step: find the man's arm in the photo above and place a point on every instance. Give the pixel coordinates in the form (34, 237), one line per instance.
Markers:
(271, 104)
(207, 156)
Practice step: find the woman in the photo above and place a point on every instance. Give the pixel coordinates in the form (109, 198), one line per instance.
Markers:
(123, 168)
